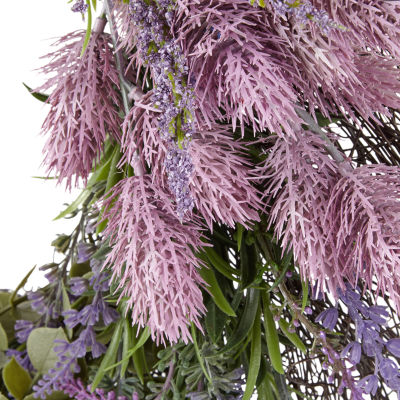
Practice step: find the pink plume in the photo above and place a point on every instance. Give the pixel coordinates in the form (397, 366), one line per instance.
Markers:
(152, 256)
(84, 102)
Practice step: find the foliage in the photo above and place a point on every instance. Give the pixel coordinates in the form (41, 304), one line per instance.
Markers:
(239, 224)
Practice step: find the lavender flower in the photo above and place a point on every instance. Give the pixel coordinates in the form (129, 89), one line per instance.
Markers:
(79, 6)
(77, 389)
(88, 316)
(304, 12)
(84, 252)
(328, 318)
(23, 329)
(172, 95)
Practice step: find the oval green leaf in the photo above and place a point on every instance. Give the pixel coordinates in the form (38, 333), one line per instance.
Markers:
(17, 379)
(40, 346)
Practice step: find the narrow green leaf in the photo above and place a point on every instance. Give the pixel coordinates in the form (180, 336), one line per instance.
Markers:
(38, 96)
(220, 264)
(208, 275)
(40, 346)
(94, 2)
(21, 285)
(292, 336)
(304, 285)
(139, 363)
(198, 354)
(282, 387)
(239, 235)
(3, 339)
(255, 357)
(271, 335)
(248, 264)
(88, 29)
(16, 379)
(142, 340)
(246, 320)
(109, 357)
(126, 344)
(286, 262)
(83, 196)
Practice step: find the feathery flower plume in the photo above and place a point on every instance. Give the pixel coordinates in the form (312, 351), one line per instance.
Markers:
(152, 258)
(363, 215)
(84, 103)
(300, 174)
(220, 186)
(238, 63)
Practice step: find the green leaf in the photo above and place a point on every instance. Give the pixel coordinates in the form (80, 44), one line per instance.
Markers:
(271, 335)
(94, 3)
(292, 336)
(214, 319)
(16, 379)
(83, 196)
(126, 345)
(285, 264)
(304, 285)
(246, 320)
(38, 96)
(78, 270)
(21, 285)
(40, 346)
(110, 356)
(220, 264)
(208, 275)
(3, 339)
(142, 340)
(2, 397)
(248, 264)
(239, 235)
(255, 357)
(88, 29)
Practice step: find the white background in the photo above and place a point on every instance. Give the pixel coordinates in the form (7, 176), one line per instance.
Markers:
(27, 205)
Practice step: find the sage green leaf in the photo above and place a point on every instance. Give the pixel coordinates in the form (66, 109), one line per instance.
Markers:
(78, 270)
(110, 356)
(246, 320)
(292, 336)
(214, 319)
(3, 339)
(255, 357)
(17, 379)
(40, 346)
(38, 96)
(208, 275)
(3, 359)
(66, 307)
(271, 335)
(2, 397)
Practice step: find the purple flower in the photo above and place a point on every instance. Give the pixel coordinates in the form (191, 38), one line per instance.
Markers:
(23, 329)
(78, 285)
(84, 252)
(393, 345)
(79, 6)
(369, 384)
(328, 318)
(354, 351)
(388, 368)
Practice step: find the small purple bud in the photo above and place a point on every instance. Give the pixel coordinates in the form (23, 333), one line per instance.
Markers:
(296, 323)
(289, 274)
(393, 345)
(308, 311)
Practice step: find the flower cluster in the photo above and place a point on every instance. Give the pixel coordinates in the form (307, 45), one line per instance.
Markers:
(88, 317)
(368, 321)
(303, 12)
(172, 94)
(80, 6)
